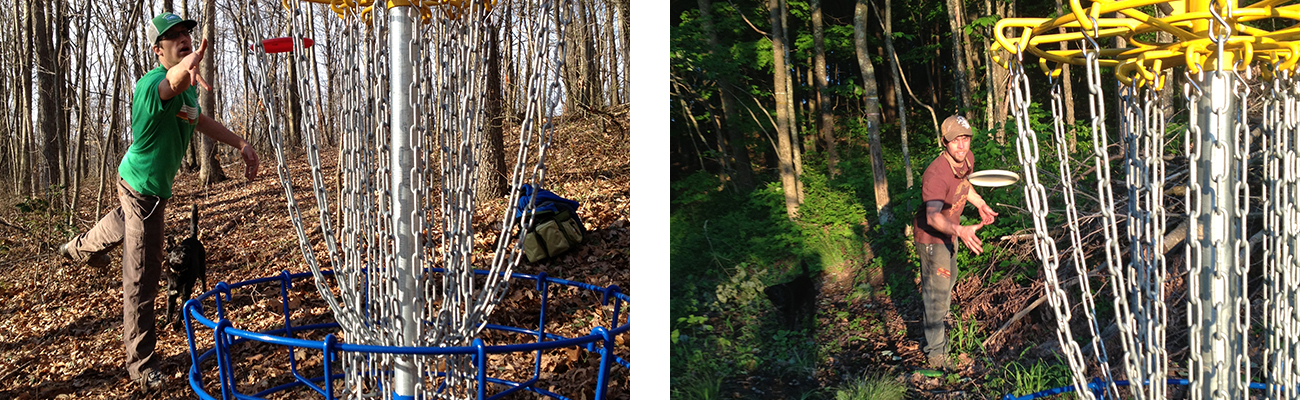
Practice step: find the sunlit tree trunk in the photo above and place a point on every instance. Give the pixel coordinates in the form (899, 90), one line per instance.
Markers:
(793, 118)
(823, 96)
(898, 88)
(83, 106)
(784, 146)
(492, 165)
(997, 84)
(48, 108)
(872, 109)
(959, 57)
(209, 168)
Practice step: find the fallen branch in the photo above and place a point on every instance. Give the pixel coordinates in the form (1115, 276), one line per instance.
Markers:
(1031, 307)
(612, 117)
(22, 366)
(11, 225)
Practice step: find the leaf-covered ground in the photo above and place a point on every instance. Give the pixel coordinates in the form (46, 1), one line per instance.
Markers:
(861, 329)
(60, 322)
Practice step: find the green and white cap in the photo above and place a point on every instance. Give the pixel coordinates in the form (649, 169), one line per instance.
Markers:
(162, 23)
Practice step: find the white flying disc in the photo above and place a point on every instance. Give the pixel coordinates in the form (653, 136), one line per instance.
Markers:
(993, 178)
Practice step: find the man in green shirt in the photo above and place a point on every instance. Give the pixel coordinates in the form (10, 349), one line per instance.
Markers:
(164, 115)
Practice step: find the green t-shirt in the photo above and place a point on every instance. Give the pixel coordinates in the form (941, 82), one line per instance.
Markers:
(161, 130)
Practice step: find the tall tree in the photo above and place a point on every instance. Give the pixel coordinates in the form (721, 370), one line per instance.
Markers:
(83, 108)
(871, 106)
(823, 95)
(625, 40)
(47, 92)
(738, 154)
(894, 72)
(793, 124)
(784, 146)
(997, 81)
(209, 169)
(959, 57)
(25, 161)
(492, 171)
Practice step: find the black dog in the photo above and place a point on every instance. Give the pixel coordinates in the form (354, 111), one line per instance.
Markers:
(186, 262)
(795, 299)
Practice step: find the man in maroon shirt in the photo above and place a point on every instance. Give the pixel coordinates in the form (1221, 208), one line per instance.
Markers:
(945, 191)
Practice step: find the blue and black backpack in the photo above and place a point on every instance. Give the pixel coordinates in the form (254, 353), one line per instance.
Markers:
(556, 226)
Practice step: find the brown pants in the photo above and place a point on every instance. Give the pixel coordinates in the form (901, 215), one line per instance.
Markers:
(138, 226)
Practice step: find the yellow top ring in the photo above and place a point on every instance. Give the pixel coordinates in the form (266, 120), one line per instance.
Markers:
(1193, 25)
(451, 9)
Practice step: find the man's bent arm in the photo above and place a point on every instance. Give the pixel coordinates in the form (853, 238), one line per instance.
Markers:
(220, 133)
(934, 217)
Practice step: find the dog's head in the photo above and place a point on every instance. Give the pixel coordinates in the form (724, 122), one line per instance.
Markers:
(175, 255)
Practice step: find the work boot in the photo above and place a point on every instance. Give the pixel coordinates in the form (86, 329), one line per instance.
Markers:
(97, 260)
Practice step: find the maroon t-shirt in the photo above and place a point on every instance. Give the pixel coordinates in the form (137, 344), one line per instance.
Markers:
(944, 182)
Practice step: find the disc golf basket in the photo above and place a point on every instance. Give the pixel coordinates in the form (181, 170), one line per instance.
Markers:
(1239, 150)
(408, 287)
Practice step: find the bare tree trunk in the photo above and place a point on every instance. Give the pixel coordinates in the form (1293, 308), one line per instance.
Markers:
(784, 148)
(492, 170)
(998, 84)
(1067, 90)
(872, 108)
(65, 98)
(793, 123)
(898, 87)
(743, 176)
(83, 106)
(48, 109)
(612, 83)
(120, 40)
(959, 58)
(209, 168)
(969, 58)
(26, 166)
(823, 95)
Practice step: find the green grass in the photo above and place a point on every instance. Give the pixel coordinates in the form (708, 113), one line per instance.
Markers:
(871, 387)
(1021, 380)
(966, 337)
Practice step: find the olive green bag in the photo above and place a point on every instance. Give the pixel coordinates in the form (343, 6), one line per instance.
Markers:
(556, 228)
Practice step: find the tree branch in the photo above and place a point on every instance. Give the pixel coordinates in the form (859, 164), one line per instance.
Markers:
(751, 24)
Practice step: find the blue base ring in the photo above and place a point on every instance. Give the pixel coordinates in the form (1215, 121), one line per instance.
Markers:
(226, 337)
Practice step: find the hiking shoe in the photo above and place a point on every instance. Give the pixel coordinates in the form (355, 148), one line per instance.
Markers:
(940, 362)
(150, 380)
(97, 260)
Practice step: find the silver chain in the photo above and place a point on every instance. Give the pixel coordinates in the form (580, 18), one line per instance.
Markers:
(1036, 200)
(447, 95)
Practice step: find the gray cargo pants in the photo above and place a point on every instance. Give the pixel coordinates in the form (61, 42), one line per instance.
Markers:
(938, 277)
(137, 225)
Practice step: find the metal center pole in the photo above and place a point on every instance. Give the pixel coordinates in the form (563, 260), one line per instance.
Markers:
(406, 375)
(1220, 347)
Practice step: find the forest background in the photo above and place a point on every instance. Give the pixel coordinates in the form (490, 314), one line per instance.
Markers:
(71, 66)
(800, 129)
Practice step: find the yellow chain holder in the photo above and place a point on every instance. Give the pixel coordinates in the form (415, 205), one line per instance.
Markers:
(451, 9)
(1198, 28)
